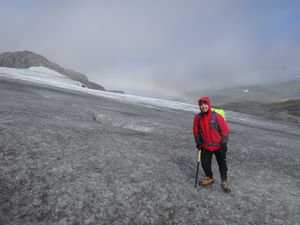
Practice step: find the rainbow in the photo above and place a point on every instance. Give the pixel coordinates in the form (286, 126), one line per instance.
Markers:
(159, 90)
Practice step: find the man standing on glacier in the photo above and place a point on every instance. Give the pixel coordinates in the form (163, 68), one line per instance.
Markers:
(211, 136)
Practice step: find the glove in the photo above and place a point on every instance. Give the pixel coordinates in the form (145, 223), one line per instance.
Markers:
(199, 145)
(223, 148)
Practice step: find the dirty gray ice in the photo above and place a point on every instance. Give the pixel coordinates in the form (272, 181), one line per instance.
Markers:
(72, 157)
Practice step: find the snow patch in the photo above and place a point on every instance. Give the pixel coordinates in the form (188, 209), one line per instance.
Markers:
(40, 75)
(128, 124)
(139, 128)
(245, 91)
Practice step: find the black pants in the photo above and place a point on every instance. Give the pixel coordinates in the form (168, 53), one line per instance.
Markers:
(206, 157)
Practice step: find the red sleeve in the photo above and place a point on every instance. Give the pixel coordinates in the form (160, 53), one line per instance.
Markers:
(222, 124)
(195, 125)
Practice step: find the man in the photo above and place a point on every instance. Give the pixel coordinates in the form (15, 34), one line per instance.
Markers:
(211, 138)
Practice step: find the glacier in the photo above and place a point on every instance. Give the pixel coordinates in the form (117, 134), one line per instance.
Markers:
(72, 155)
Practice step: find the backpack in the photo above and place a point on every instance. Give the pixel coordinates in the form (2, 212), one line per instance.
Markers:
(220, 111)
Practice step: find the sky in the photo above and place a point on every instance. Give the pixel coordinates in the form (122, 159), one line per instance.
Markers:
(160, 48)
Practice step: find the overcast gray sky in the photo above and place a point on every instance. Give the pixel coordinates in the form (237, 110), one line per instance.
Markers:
(160, 48)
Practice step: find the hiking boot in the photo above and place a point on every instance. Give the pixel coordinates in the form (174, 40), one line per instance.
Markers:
(225, 186)
(207, 181)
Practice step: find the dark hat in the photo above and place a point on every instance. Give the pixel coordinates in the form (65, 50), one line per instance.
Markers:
(203, 102)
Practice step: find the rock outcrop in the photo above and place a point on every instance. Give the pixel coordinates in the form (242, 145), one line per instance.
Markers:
(27, 59)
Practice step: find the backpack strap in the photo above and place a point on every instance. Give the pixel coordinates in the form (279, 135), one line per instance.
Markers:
(199, 129)
(213, 116)
(199, 117)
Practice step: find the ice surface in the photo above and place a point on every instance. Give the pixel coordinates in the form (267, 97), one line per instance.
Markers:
(40, 75)
(70, 155)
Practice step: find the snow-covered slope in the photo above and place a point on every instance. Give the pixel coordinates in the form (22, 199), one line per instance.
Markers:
(70, 155)
(40, 75)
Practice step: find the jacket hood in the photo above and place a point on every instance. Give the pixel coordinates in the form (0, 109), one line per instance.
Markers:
(204, 99)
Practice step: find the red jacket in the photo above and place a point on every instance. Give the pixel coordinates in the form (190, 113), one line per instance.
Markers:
(211, 139)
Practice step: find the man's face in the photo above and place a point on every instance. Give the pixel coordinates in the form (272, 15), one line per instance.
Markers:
(204, 107)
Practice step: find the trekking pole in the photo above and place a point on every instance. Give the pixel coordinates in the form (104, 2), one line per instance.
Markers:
(197, 167)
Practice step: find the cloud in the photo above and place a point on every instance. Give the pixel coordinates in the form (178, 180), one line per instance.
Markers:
(180, 45)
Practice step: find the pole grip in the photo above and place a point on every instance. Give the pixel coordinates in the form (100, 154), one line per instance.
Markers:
(197, 168)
